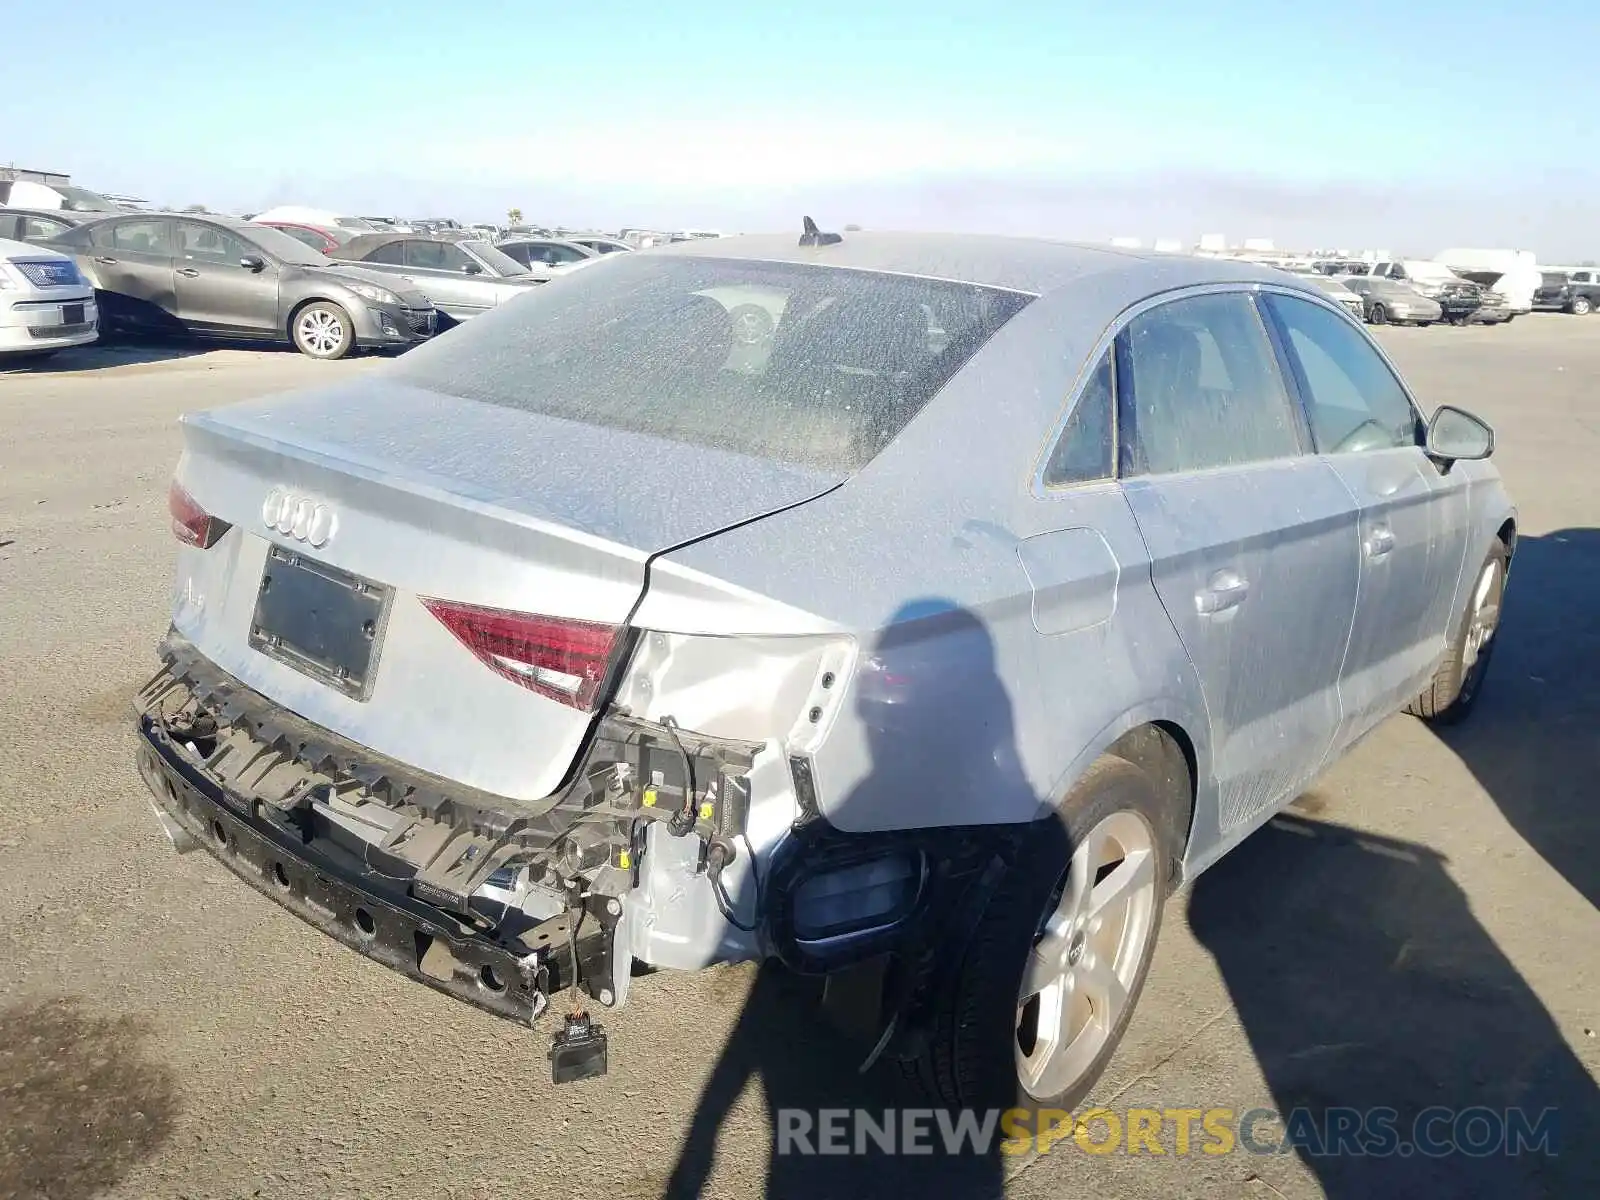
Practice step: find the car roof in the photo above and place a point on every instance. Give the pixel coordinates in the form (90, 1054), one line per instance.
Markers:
(1032, 265)
(70, 216)
(364, 242)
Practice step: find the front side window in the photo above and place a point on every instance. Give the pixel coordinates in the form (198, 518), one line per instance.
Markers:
(1084, 453)
(436, 256)
(138, 237)
(207, 244)
(391, 253)
(1198, 387)
(1353, 400)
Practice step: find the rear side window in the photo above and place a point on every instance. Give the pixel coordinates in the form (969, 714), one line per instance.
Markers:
(1084, 453)
(812, 365)
(1198, 387)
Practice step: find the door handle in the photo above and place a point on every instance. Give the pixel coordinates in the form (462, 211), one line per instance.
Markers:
(1224, 590)
(1378, 542)
(104, 261)
(189, 272)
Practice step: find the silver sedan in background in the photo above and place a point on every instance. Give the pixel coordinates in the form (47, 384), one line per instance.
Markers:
(993, 590)
(1392, 301)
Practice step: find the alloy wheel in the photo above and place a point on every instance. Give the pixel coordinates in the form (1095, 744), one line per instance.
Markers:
(321, 331)
(1086, 955)
(1483, 618)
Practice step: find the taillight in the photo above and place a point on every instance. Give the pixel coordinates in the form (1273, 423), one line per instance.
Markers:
(559, 658)
(191, 524)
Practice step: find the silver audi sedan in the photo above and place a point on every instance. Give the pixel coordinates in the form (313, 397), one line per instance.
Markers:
(992, 591)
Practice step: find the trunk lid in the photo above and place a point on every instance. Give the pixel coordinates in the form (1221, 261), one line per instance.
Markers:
(431, 496)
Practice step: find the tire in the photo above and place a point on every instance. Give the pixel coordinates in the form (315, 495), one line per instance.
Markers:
(1580, 306)
(1379, 315)
(1459, 319)
(323, 330)
(979, 1051)
(1458, 682)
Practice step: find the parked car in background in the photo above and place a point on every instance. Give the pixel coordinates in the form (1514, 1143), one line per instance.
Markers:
(1513, 275)
(320, 218)
(321, 239)
(45, 302)
(1392, 301)
(549, 255)
(220, 277)
(1577, 293)
(463, 278)
(39, 224)
(517, 233)
(886, 678)
(1494, 308)
(598, 243)
(1335, 290)
(1457, 297)
(26, 193)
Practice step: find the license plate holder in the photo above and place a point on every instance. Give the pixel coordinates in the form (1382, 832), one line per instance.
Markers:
(323, 622)
(72, 314)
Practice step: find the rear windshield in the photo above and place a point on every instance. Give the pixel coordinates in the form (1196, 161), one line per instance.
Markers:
(819, 366)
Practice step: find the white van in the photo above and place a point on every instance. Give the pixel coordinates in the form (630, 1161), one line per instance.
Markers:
(1513, 273)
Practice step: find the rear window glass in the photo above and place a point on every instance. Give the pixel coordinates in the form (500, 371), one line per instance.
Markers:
(812, 365)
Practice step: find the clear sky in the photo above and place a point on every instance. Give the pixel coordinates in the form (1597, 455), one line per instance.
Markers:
(1396, 123)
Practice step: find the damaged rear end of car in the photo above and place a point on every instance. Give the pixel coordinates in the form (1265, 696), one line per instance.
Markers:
(405, 692)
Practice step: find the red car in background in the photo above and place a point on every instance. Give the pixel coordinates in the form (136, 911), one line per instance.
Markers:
(325, 241)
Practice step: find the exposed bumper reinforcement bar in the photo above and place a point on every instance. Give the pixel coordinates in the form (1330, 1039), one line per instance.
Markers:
(388, 926)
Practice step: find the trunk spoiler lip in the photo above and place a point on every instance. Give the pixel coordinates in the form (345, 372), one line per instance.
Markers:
(419, 483)
(756, 487)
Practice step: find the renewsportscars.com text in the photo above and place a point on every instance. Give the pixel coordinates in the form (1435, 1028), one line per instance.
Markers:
(1373, 1132)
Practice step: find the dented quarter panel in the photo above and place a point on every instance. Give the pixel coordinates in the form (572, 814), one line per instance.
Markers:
(961, 711)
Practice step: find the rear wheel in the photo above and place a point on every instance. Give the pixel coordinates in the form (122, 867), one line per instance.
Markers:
(1580, 306)
(1455, 685)
(1379, 315)
(1060, 955)
(323, 330)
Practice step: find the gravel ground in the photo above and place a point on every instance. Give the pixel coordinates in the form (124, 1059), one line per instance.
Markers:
(1420, 930)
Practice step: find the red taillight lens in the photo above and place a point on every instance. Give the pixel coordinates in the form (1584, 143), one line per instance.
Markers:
(562, 659)
(191, 524)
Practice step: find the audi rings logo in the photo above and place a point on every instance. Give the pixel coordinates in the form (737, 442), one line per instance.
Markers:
(299, 517)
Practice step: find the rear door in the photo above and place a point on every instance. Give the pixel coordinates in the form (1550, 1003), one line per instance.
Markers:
(215, 292)
(133, 260)
(1414, 520)
(1252, 539)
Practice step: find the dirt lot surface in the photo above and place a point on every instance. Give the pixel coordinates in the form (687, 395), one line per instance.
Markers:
(1421, 930)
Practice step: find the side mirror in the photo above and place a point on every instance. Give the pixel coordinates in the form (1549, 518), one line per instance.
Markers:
(472, 268)
(1455, 434)
(253, 262)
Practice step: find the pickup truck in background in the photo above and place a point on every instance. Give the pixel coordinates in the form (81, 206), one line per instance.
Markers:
(1576, 292)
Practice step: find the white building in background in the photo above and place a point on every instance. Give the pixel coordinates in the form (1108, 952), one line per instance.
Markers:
(1168, 246)
(1213, 243)
(1127, 243)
